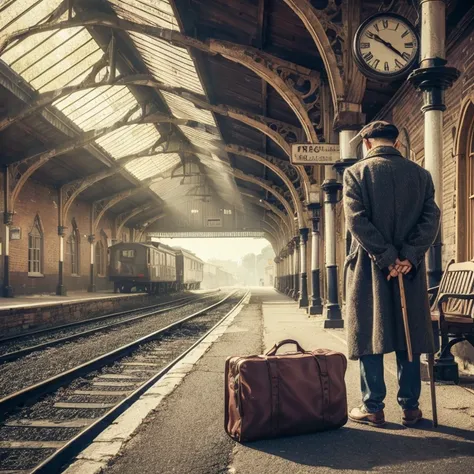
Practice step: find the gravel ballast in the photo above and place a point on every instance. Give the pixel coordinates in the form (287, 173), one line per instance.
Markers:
(39, 366)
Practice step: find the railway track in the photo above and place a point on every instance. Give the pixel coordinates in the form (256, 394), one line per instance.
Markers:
(54, 336)
(46, 424)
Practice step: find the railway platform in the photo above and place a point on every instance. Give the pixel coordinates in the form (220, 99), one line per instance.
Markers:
(28, 313)
(177, 426)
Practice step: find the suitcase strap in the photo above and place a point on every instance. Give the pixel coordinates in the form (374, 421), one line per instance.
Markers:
(273, 373)
(324, 379)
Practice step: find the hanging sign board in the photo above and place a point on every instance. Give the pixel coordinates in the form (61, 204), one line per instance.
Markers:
(15, 233)
(314, 154)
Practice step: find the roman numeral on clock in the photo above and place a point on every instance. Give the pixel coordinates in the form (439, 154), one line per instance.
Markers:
(386, 66)
(405, 34)
(406, 56)
(409, 45)
(376, 27)
(376, 63)
(364, 45)
(398, 64)
(368, 56)
(385, 23)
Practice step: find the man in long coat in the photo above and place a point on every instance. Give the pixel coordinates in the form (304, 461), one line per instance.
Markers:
(393, 219)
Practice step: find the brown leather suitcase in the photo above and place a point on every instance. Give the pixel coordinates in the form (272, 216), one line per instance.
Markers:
(278, 395)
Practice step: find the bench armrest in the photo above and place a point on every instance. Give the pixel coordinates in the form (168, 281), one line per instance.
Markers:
(433, 290)
(445, 296)
(459, 296)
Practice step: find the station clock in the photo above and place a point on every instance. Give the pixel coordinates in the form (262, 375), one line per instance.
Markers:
(386, 47)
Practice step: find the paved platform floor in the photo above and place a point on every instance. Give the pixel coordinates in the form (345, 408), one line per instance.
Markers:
(185, 433)
(72, 297)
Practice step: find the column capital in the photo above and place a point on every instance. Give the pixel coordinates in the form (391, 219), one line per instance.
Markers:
(8, 218)
(314, 207)
(349, 120)
(62, 230)
(304, 235)
(331, 189)
(433, 79)
(341, 165)
(91, 238)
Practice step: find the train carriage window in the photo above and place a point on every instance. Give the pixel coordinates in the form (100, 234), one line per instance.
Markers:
(129, 253)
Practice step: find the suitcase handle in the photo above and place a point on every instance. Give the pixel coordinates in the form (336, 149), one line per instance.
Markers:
(277, 346)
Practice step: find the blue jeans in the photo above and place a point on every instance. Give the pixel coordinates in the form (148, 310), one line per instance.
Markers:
(373, 384)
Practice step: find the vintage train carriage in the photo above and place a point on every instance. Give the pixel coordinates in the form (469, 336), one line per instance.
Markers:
(189, 270)
(149, 267)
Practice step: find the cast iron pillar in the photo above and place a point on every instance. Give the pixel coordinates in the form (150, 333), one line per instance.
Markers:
(61, 289)
(296, 268)
(433, 78)
(348, 154)
(290, 259)
(92, 288)
(7, 290)
(332, 310)
(303, 293)
(316, 306)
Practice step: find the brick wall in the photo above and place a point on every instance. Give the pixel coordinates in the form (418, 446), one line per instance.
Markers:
(406, 114)
(38, 199)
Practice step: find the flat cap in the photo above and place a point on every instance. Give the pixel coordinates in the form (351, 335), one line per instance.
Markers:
(378, 129)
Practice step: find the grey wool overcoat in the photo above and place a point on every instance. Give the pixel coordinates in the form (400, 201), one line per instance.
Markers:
(390, 212)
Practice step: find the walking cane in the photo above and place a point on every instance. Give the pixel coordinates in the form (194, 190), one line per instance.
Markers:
(410, 351)
(405, 317)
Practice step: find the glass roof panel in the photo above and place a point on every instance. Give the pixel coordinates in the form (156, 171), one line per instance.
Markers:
(184, 109)
(149, 166)
(58, 58)
(128, 140)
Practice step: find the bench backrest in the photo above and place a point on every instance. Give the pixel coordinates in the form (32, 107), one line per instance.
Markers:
(458, 278)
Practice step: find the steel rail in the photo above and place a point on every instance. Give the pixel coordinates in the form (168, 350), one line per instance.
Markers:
(30, 394)
(63, 455)
(14, 355)
(85, 321)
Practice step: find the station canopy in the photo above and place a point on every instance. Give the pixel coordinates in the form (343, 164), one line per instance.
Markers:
(157, 96)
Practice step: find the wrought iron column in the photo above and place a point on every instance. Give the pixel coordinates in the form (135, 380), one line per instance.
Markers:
(316, 306)
(92, 288)
(289, 287)
(296, 268)
(303, 293)
(332, 310)
(348, 155)
(433, 78)
(7, 221)
(61, 289)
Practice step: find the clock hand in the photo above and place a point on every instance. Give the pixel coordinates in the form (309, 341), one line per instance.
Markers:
(386, 43)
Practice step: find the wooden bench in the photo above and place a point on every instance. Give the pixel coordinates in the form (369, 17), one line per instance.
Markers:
(452, 313)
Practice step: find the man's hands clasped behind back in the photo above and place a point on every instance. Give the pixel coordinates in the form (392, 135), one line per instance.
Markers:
(399, 267)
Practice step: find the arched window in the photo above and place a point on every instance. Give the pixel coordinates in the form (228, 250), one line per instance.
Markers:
(73, 246)
(100, 258)
(35, 248)
(464, 154)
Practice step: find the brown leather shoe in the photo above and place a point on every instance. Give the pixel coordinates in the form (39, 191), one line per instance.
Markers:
(411, 417)
(360, 415)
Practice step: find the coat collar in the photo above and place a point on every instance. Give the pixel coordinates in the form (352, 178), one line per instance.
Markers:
(383, 151)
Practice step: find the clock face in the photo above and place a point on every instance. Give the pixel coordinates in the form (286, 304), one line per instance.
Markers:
(386, 46)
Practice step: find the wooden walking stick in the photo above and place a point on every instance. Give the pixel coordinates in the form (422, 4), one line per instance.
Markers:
(434, 409)
(405, 316)
(410, 351)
